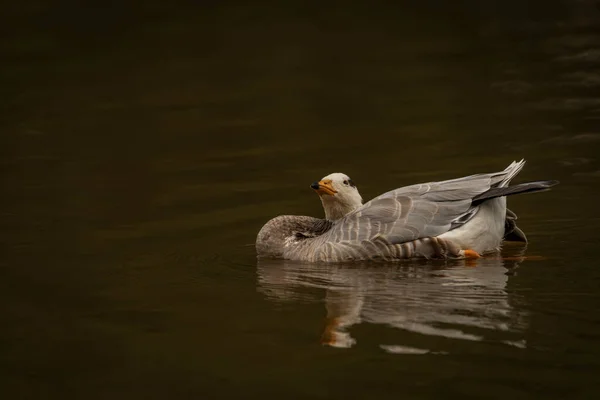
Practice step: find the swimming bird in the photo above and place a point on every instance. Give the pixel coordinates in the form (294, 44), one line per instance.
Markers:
(458, 218)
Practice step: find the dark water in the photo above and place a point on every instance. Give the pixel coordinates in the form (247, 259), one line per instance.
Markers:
(143, 146)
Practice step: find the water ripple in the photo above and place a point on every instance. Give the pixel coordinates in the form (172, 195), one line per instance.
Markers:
(452, 301)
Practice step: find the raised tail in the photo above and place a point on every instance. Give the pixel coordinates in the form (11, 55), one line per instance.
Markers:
(511, 171)
(529, 187)
(511, 230)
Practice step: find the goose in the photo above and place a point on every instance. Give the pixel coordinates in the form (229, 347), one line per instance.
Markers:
(458, 218)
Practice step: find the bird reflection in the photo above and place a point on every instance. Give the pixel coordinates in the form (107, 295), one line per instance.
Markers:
(457, 300)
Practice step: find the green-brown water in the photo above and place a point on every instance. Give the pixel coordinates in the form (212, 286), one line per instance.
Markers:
(143, 147)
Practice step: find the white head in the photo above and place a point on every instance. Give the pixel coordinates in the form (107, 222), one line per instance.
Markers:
(338, 194)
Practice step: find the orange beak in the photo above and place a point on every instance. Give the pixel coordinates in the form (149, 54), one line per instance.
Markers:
(324, 187)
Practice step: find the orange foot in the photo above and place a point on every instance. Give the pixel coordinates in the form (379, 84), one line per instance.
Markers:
(471, 254)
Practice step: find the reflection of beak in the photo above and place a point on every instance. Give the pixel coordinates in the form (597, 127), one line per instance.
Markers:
(328, 336)
(324, 187)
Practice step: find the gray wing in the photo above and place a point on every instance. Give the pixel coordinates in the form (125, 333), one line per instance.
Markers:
(414, 212)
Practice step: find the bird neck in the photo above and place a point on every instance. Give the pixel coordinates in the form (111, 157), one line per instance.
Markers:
(335, 209)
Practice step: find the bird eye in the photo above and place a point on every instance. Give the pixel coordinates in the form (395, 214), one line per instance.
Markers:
(346, 183)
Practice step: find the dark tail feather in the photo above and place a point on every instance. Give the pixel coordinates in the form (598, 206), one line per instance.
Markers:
(529, 187)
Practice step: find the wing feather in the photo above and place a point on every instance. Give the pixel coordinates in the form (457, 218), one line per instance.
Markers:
(414, 212)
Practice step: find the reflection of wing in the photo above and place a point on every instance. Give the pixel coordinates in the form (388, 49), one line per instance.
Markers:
(416, 211)
(459, 302)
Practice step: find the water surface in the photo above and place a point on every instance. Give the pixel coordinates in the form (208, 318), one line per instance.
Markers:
(143, 148)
